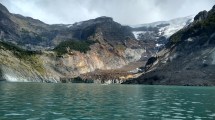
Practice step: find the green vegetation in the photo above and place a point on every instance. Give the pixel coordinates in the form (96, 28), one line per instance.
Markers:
(35, 63)
(19, 52)
(29, 57)
(120, 47)
(82, 46)
(175, 38)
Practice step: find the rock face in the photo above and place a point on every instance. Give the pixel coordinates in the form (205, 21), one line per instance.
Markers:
(33, 34)
(188, 58)
(201, 16)
(114, 46)
(104, 29)
(18, 65)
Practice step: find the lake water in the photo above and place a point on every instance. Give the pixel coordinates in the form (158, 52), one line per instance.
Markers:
(39, 101)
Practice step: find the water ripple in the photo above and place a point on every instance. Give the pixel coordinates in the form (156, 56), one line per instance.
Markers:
(35, 101)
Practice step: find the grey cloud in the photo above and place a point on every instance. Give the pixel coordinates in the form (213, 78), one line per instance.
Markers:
(123, 11)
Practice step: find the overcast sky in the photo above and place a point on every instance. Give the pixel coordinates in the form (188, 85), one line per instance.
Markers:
(129, 12)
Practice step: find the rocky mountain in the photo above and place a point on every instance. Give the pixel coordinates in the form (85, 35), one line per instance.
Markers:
(188, 58)
(35, 51)
(155, 35)
(33, 34)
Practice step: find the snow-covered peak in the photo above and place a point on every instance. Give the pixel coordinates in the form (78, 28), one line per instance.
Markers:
(157, 33)
(175, 25)
(162, 28)
(182, 20)
(176, 21)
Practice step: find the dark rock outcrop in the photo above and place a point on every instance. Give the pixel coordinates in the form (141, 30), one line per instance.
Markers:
(112, 32)
(201, 16)
(3, 8)
(150, 62)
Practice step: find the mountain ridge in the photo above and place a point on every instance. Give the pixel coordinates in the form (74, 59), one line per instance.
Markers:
(102, 38)
(188, 58)
(79, 51)
(25, 30)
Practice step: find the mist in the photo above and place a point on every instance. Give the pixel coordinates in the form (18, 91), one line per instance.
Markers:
(127, 12)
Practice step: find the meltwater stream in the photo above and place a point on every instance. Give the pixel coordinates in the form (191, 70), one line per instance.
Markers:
(39, 101)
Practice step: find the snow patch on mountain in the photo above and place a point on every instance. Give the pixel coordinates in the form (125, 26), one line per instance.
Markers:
(137, 33)
(157, 33)
(165, 28)
(70, 25)
(176, 21)
(175, 25)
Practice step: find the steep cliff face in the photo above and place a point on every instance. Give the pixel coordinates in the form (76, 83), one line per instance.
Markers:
(19, 65)
(65, 51)
(98, 58)
(188, 58)
(114, 47)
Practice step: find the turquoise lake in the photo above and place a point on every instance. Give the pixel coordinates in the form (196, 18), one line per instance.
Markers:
(41, 101)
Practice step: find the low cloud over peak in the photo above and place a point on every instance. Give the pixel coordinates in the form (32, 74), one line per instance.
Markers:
(128, 12)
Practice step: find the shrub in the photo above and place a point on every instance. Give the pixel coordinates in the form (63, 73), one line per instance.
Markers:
(120, 47)
(29, 57)
(82, 46)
